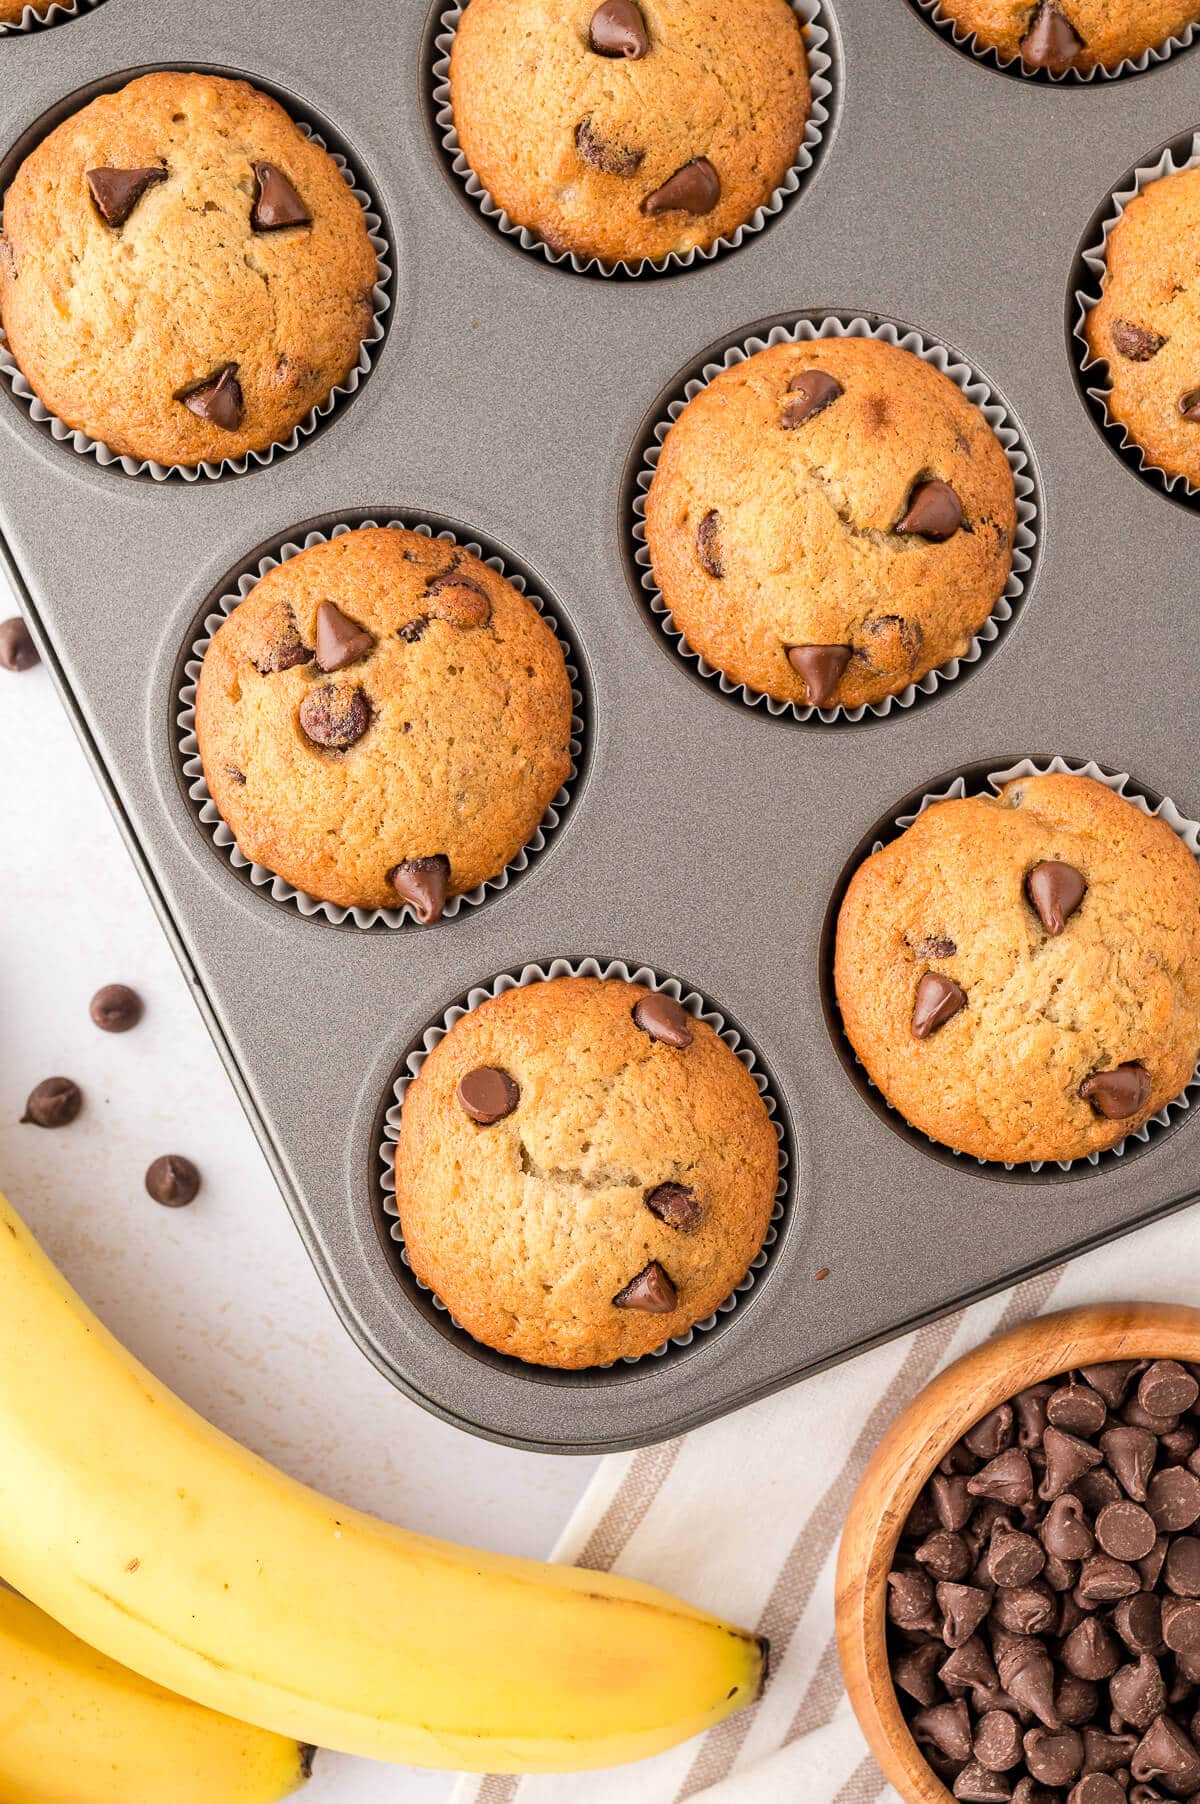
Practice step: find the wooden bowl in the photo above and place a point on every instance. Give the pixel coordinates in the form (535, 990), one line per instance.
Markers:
(908, 1455)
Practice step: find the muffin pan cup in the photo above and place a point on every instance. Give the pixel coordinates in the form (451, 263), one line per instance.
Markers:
(704, 840)
(616, 969)
(207, 813)
(85, 446)
(820, 46)
(1091, 264)
(994, 780)
(977, 391)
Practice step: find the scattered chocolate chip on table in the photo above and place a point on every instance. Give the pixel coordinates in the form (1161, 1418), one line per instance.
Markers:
(53, 1103)
(173, 1181)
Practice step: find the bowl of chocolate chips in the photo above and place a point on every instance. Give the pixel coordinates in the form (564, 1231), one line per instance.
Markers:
(1018, 1593)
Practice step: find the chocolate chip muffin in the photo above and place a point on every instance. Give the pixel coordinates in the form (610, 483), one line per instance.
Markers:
(1071, 34)
(13, 11)
(1020, 974)
(584, 1170)
(633, 128)
(184, 275)
(1146, 325)
(384, 721)
(831, 520)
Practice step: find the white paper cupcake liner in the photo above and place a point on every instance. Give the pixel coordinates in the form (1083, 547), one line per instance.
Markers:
(1093, 266)
(696, 1005)
(1119, 782)
(817, 44)
(57, 14)
(238, 466)
(1012, 65)
(206, 810)
(977, 391)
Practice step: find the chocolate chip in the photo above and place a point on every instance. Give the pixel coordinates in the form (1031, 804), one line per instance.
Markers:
(1125, 1530)
(334, 716)
(664, 1019)
(604, 153)
(1053, 1756)
(1013, 1558)
(1137, 343)
(1026, 1609)
(1008, 1479)
(53, 1103)
(997, 1743)
(1065, 1531)
(708, 543)
(910, 1601)
(651, 1291)
(618, 29)
(696, 188)
(1104, 1753)
(340, 641)
(17, 650)
(976, 1785)
(117, 192)
(1130, 1453)
(1166, 1752)
(1182, 1568)
(944, 1726)
(1078, 1700)
(992, 1433)
(173, 1181)
(944, 1555)
(1189, 404)
(1113, 1379)
(938, 999)
(1097, 1788)
(1180, 1619)
(1090, 1651)
(285, 649)
(951, 1500)
(1138, 1621)
(1118, 1094)
(1055, 890)
(1029, 1406)
(276, 204)
(934, 512)
(1077, 1408)
(488, 1094)
(1137, 1693)
(1027, 1675)
(218, 398)
(1067, 1458)
(422, 883)
(1173, 1499)
(1167, 1389)
(116, 1008)
(935, 946)
(915, 1671)
(820, 668)
(1051, 41)
(414, 629)
(812, 391)
(675, 1205)
(963, 1608)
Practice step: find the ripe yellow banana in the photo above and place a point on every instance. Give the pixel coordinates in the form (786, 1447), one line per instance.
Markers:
(153, 1536)
(75, 1728)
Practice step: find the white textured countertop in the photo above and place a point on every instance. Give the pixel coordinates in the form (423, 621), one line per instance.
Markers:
(219, 1299)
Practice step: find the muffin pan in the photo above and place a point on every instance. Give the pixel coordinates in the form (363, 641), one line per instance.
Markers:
(704, 839)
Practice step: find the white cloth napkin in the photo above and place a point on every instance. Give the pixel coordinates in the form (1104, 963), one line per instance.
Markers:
(743, 1517)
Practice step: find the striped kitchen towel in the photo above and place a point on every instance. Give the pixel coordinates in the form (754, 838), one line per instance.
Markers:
(743, 1517)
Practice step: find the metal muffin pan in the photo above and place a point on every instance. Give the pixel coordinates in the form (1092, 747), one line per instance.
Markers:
(705, 839)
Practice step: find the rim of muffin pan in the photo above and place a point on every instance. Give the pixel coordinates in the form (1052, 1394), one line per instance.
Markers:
(303, 115)
(887, 829)
(528, 582)
(1091, 376)
(524, 240)
(63, 12)
(1071, 81)
(655, 615)
(630, 1369)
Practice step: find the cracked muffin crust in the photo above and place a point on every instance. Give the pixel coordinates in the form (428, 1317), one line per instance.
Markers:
(1146, 325)
(1020, 975)
(384, 720)
(1071, 34)
(183, 274)
(629, 129)
(831, 520)
(611, 1193)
